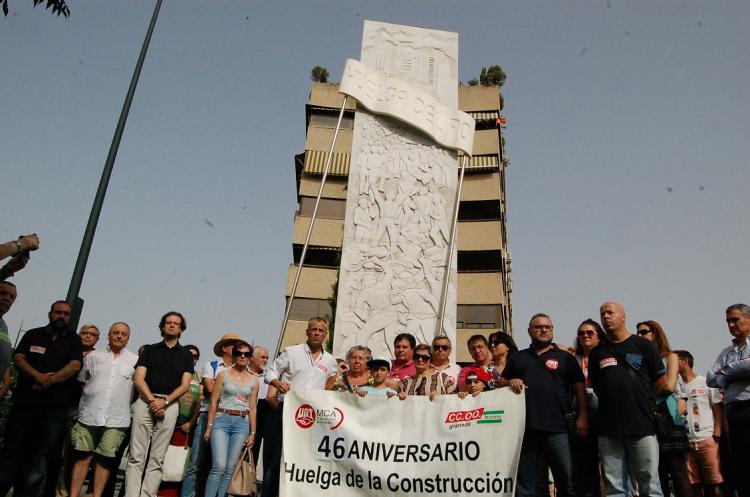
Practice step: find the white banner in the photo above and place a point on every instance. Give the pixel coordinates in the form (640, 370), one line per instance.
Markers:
(391, 96)
(344, 445)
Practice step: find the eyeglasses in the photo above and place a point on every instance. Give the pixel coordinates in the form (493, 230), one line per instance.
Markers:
(541, 327)
(644, 331)
(422, 357)
(586, 333)
(243, 353)
(441, 347)
(89, 333)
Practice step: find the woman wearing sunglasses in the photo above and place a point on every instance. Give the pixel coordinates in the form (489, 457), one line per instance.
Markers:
(585, 451)
(673, 446)
(426, 381)
(231, 418)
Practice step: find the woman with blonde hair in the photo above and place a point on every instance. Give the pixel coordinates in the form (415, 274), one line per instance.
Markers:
(673, 445)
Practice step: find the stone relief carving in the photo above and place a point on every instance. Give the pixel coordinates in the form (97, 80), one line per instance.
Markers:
(402, 189)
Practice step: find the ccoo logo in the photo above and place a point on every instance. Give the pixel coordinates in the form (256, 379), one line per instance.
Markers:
(305, 416)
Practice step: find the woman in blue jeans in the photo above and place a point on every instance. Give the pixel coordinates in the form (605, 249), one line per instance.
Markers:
(231, 419)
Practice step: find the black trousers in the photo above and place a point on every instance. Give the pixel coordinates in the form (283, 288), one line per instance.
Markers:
(272, 451)
(738, 417)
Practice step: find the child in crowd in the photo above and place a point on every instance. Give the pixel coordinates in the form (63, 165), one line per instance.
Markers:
(380, 369)
(476, 382)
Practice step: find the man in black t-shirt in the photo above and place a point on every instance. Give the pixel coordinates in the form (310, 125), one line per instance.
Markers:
(162, 375)
(552, 378)
(626, 372)
(47, 359)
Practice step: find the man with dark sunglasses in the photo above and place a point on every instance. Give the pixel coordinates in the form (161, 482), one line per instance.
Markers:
(441, 357)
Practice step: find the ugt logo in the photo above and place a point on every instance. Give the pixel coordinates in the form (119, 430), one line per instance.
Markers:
(305, 416)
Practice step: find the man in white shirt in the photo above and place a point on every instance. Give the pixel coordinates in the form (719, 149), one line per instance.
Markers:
(704, 419)
(258, 364)
(196, 472)
(305, 366)
(104, 410)
(441, 357)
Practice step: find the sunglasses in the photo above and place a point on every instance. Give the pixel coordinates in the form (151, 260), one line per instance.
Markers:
(242, 354)
(196, 356)
(644, 332)
(586, 333)
(441, 347)
(422, 357)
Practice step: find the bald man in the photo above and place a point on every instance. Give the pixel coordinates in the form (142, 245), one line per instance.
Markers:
(626, 371)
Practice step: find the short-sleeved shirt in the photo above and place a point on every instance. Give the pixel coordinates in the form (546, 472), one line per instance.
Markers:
(401, 372)
(700, 415)
(47, 354)
(107, 389)
(165, 366)
(622, 375)
(549, 378)
(211, 370)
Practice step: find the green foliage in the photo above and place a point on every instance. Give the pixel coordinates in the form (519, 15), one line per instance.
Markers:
(331, 318)
(319, 74)
(493, 75)
(58, 6)
(473, 82)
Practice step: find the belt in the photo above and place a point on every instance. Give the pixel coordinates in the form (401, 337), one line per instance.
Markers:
(233, 412)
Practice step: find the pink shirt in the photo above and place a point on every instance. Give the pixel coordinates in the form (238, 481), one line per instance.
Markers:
(404, 371)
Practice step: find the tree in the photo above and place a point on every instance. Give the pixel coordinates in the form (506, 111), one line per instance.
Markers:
(494, 75)
(58, 6)
(473, 82)
(319, 74)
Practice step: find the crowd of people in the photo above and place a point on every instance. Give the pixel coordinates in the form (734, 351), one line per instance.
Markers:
(617, 413)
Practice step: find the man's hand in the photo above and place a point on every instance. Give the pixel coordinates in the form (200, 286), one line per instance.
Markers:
(517, 385)
(281, 386)
(582, 426)
(157, 405)
(45, 379)
(29, 242)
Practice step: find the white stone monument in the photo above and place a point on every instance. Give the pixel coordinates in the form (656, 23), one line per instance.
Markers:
(402, 188)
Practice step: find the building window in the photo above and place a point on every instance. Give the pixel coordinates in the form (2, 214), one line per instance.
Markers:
(322, 119)
(480, 261)
(304, 309)
(327, 257)
(479, 210)
(478, 316)
(329, 208)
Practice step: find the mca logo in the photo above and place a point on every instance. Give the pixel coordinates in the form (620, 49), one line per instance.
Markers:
(305, 416)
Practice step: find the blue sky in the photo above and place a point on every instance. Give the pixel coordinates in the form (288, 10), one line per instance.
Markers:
(627, 137)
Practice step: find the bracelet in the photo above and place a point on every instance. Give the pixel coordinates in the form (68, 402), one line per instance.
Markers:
(251, 434)
(209, 425)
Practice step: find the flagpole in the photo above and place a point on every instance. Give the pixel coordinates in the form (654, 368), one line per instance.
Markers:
(96, 208)
(329, 159)
(451, 245)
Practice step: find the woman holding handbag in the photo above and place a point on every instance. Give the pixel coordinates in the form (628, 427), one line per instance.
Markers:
(231, 419)
(673, 445)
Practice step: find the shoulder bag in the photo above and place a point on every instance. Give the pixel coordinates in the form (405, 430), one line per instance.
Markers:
(243, 482)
